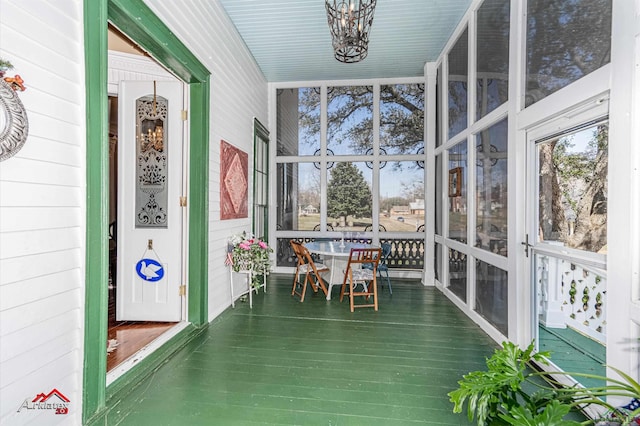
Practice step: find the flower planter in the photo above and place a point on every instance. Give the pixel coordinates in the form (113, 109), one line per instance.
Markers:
(250, 256)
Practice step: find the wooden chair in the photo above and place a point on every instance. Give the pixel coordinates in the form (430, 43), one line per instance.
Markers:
(356, 274)
(310, 269)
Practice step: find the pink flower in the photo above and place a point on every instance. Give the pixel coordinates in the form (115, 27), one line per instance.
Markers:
(244, 246)
(262, 244)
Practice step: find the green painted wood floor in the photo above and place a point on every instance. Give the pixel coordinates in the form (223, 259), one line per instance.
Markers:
(316, 363)
(573, 352)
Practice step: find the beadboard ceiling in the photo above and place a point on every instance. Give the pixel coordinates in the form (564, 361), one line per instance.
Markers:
(290, 39)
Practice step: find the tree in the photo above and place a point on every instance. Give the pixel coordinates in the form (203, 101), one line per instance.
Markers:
(309, 193)
(591, 207)
(551, 212)
(402, 117)
(309, 198)
(573, 185)
(349, 118)
(387, 203)
(348, 193)
(413, 191)
(565, 40)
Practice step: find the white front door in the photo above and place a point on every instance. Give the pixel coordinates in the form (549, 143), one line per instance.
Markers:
(150, 218)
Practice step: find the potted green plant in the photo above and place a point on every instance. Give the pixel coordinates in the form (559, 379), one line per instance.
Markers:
(510, 392)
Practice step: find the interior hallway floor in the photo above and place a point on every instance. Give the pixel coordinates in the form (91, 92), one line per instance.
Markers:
(130, 337)
(316, 363)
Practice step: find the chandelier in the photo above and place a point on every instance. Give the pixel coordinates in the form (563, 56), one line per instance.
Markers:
(350, 23)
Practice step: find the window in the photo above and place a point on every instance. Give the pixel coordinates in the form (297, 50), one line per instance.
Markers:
(341, 177)
(438, 107)
(492, 293)
(402, 118)
(350, 120)
(260, 180)
(572, 194)
(298, 195)
(298, 121)
(437, 215)
(458, 274)
(457, 191)
(491, 188)
(566, 40)
(349, 197)
(402, 204)
(492, 85)
(458, 83)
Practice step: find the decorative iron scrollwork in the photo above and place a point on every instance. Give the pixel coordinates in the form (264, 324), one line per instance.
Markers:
(329, 163)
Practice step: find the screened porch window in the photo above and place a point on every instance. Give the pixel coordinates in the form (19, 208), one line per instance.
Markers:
(566, 40)
(350, 120)
(349, 197)
(491, 189)
(298, 195)
(457, 192)
(402, 204)
(492, 68)
(458, 78)
(341, 178)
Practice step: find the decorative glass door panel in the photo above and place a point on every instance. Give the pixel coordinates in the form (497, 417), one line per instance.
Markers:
(151, 162)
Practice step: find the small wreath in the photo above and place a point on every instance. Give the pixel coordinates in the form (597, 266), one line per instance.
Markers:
(14, 126)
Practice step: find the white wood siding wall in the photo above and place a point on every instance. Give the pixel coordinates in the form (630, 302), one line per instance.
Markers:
(42, 213)
(238, 94)
(129, 67)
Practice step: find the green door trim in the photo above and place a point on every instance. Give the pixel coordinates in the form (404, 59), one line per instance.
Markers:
(140, 23)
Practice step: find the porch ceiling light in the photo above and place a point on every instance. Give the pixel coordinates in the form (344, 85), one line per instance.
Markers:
(350, 23)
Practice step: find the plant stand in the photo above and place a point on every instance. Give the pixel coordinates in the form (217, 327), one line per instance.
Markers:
(248, 273)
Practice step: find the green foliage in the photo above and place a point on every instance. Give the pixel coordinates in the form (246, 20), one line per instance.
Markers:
(496, 396)
(494, 392)
(348, 193)
(552, 415)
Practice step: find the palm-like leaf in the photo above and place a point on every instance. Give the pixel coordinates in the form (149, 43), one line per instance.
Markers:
(552, 415)
(488, 393)
(496, 396)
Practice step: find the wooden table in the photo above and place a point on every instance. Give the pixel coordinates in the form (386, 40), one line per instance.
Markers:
(337, 253)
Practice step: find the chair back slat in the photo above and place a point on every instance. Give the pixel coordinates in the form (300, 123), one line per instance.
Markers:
(362, 260)
(365, 255)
